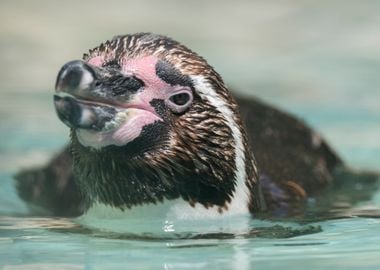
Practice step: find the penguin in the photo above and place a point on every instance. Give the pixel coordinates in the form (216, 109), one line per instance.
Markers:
(152, 123)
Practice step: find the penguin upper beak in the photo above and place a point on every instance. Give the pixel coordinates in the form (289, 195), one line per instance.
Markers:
(74, 77)
(104, 84)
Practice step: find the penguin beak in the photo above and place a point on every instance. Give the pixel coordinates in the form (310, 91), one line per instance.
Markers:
(76, 104)
(78, 114)
(90, 97)
(103, 105)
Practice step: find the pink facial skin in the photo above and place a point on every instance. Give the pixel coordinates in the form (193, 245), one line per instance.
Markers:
(138, 112)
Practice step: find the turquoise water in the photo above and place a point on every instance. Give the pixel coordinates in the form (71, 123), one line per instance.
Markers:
(344, 244)
(320, 61)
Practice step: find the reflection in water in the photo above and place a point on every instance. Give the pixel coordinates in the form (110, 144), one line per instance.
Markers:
(44, 241)
(23, 223)
(241, 258)
(256, 230)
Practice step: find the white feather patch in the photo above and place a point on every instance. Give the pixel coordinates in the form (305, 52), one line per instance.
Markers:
(240, 200)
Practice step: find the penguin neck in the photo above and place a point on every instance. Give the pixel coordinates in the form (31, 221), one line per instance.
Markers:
(108, 177)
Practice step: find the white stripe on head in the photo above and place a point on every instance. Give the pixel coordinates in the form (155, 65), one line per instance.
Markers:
(240, 200)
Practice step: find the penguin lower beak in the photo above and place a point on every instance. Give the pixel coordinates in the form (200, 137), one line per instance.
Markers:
(76, 113)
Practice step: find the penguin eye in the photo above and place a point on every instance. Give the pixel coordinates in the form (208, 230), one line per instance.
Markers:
(180, 101)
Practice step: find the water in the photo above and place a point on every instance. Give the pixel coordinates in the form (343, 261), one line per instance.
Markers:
(317, 60)
(343, 244)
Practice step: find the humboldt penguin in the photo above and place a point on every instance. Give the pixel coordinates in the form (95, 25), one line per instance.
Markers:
(151, 122)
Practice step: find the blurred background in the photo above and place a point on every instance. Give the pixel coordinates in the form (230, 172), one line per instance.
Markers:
(317, 59)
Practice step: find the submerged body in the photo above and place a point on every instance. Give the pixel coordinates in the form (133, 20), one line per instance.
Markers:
(153, 127)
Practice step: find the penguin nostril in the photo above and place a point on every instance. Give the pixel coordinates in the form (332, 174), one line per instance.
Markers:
(97, 83)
